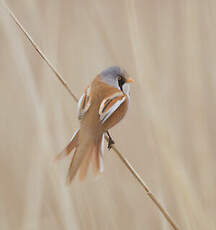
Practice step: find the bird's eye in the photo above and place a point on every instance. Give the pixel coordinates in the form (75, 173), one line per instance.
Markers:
(119, 78)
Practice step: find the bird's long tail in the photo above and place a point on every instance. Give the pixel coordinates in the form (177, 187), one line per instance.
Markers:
(70, 146)
(86, 152)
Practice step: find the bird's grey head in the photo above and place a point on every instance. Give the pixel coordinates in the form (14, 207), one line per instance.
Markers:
(116, 77)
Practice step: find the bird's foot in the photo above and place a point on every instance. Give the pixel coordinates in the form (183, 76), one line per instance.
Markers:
(110, 143)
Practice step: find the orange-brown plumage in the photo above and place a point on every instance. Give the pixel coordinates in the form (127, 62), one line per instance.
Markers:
(100, 108)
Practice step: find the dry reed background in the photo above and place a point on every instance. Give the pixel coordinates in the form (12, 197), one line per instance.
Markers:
(168, 134)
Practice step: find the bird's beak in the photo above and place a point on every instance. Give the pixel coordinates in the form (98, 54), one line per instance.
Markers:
(129, 80)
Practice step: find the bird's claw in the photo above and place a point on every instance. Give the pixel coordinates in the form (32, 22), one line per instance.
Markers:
(110, 143)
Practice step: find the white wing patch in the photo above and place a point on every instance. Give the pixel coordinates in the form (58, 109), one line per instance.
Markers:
(84, 103)
(105, 115)
(79, 105)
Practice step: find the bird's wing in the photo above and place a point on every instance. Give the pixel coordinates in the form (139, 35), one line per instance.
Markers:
(110, 104)
(84, 103)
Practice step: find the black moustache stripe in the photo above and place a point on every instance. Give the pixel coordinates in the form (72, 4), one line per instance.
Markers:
(121, 83)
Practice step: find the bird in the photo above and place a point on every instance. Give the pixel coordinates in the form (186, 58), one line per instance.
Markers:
(103, 104)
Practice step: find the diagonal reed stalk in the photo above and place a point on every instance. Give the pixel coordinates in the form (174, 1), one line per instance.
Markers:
(163, 211)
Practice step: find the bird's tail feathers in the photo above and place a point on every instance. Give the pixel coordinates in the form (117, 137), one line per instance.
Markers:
(70, 146)
(86, 153)
(98, 156)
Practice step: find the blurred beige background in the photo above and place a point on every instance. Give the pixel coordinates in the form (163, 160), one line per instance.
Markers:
(168, 134)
